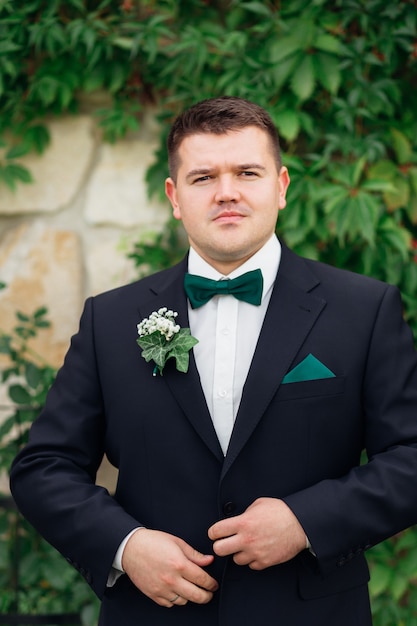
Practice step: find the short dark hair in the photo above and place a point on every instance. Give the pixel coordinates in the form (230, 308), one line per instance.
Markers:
(218, 116)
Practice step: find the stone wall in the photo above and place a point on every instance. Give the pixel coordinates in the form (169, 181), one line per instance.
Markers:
(64, 237)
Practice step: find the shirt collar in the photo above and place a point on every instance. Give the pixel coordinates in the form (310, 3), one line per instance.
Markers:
(267, 259)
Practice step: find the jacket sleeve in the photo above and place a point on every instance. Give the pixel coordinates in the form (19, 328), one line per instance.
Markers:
(53, 477)
(344, 516)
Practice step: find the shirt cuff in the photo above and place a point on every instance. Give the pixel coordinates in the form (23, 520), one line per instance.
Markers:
(308, 546)
(117, 569)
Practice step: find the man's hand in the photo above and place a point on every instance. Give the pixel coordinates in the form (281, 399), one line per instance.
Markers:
(267, 533)
(166, 569)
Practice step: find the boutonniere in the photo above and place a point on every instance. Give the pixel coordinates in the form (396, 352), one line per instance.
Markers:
(161, 338)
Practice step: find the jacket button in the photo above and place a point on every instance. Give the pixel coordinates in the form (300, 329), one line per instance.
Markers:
(229, 508)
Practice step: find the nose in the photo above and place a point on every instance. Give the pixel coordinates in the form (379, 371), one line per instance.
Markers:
(227, 190)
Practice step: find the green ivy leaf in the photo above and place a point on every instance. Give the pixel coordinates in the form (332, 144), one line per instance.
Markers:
(77, 4)
(33, 375)
(402, 146)
(181, 344)
(18, 151)
(22, 317)
(395, 237)
(383, 170)
(367, 208)
(12, 172)
(37, 137)
(328, 72)
(19, 394)
(6, 426)
(399, 585)
(284, 47)
(303, 80)
(8, 47)
(328, 43)
(381, 578)
(288, 123)
(358, 170)
(258, 8)
(40, 312)
(156, 348)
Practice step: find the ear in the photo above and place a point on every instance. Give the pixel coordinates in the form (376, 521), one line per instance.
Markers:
(171, 193)
(284, 181)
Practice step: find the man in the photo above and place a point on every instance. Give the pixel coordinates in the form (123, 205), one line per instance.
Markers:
(240, 498)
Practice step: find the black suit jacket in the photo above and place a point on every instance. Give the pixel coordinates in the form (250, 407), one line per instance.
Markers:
(301, 442)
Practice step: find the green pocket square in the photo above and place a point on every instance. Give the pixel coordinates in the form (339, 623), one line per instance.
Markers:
(309, 369)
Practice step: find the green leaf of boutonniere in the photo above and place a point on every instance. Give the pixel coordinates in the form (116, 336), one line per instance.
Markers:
(161, 339)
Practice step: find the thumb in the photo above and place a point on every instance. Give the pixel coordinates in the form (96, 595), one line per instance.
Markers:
(197, 557)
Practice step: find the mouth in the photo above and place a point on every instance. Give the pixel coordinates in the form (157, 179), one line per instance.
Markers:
(229, 217)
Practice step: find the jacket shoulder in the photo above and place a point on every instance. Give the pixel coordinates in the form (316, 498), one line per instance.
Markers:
(331, 278)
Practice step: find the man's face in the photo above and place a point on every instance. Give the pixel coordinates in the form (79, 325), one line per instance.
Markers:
(228, 193)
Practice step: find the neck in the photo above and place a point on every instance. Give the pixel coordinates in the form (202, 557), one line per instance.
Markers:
(224, 266)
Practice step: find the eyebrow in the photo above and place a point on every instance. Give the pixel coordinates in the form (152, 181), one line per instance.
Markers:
(198, 172)
(204, 171)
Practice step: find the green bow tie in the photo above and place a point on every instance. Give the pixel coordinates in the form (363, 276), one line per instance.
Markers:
(247, 287)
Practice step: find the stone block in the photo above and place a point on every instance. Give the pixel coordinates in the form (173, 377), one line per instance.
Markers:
(58, 172)
(116, 193)
(42, 267)
(106, 262)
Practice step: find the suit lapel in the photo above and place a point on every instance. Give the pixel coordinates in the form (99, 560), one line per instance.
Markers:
(291, 314)
(166, 289)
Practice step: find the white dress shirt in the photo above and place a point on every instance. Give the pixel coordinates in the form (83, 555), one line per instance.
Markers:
(228, 330)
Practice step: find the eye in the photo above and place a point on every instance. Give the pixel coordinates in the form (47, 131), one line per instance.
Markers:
(202, 179)
(248, 174)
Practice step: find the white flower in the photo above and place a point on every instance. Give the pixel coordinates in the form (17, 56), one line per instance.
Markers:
(161, 321)
(161, 339)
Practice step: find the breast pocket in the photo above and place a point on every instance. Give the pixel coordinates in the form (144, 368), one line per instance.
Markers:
(312, 388)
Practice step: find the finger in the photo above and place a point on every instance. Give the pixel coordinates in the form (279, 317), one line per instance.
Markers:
(192, 593)
(158, 563)
(199, 578)
(194, 572)
(224, 528)
(202, 560)
(242, 558)
(178, 600)
(177, 595)
(227, 546)
(165, 602)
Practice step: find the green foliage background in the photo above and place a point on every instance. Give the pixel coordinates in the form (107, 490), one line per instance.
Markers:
(339, 78)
